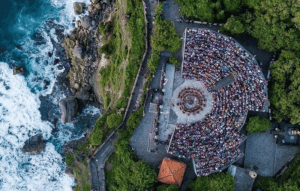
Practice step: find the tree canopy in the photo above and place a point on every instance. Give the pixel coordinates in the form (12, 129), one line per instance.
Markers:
(275, 23)
(113, 120)
(214, 182)
(285, 92)
(258, 124)
(129, 173)
(164, 36)
(210, 11)
(233, 27)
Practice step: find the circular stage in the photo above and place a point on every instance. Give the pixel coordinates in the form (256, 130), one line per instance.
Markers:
(191, 101)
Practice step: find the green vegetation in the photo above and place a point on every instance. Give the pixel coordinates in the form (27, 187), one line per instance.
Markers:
(210, 11)
(82, 176)
(168, 188)
(113, 120)
(128, 173)
(233, 27)
(134, 119)
(77, 160)
(153, 62)
(70, 160)
(96, 137)
(214, 182)
(124, 45)
(164, 36)
(258, 124)
(285, 87)
(276, 25)
(175, 61)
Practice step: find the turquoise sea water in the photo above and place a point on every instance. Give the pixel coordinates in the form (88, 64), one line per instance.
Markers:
(30, 35)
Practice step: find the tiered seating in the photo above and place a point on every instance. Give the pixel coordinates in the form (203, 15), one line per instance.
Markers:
(213, 142)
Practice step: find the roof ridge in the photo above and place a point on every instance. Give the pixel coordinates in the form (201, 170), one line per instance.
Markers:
(175, 171)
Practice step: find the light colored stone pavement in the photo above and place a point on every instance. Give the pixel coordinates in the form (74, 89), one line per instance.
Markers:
(262, 152)
(184, 117)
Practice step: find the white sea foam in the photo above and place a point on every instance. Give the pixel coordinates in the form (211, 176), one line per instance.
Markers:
(53, 35)
(67, 15)
(91, 110)
(20, 119)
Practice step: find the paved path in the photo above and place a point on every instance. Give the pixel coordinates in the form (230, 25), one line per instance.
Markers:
(96, 166)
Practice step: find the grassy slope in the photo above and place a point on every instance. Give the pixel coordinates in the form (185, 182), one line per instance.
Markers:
(128, 41)
(126, 37)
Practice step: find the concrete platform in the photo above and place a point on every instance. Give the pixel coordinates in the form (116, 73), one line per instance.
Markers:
(264, 156)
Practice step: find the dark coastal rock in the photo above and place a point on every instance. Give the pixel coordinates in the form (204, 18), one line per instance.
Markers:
(34, 145)
(69, 171)
(69, 108)
(86, 22)
(56, 61)
(71, 146)
(77, 51)
(78, 7)
(60, 67)
(46, 83)
(83, 95)
(50, 54)
(19, 70)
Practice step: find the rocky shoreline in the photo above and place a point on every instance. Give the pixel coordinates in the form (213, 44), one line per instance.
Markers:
(81, 48)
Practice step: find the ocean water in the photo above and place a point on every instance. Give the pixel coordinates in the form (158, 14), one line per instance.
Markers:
(30, 35)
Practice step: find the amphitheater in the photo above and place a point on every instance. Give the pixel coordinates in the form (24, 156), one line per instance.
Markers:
(221, 83)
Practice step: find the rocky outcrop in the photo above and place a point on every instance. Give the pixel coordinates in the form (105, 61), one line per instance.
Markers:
(19, 70)
(84, 93)
(77, 51)
(78, 7)
(34, 145)
(86, 22)
(69, 108)
(69, 171)
(71, 146)
(81, 48)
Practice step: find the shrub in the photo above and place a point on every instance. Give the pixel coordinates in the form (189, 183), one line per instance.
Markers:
(122, 103)
(214, 182)
(174, 61)
(96, 137)
(165, 187)
(153, 62)
(70, 160)
(113, 120)
(258, 124)
(134, 119)
(159, 9)
(165, 36)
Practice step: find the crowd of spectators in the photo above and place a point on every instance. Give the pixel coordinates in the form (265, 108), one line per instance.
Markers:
(213, 142)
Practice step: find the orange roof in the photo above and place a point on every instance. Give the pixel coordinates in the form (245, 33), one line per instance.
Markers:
(171, 172)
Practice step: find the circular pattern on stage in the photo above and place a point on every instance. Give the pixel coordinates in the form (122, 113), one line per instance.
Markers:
(191, 101)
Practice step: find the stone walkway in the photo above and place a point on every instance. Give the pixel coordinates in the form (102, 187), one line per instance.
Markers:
(264, 156)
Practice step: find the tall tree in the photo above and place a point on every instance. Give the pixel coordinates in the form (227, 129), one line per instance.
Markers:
(285, 87)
